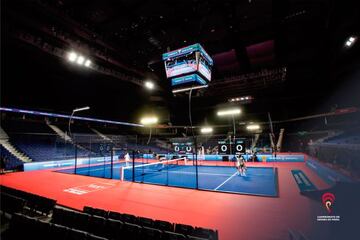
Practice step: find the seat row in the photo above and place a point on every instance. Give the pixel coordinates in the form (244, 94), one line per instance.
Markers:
(158, 224)
(25, 227)
(32, 201)
(11, 204)
(119, 229)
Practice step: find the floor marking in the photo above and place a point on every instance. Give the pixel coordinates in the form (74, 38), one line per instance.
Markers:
(91, 187)
(226, 180)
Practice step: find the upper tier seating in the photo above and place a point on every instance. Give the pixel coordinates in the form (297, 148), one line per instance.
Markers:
(348, 137)
(46, 147)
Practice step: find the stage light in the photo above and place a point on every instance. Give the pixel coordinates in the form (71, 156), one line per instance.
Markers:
(72, 56)
(253, 127)
(87, 63)
(227, 112)
(80, 60)
(149, 120)
(149, 85)
(206, 130)
(350, 41)
(243, 99)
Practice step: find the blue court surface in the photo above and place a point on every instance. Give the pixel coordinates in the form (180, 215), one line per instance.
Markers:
(260, 181)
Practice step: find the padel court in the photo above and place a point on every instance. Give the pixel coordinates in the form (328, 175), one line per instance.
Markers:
(260, 181)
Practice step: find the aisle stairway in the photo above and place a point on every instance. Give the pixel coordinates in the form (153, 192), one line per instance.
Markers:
(59, 132)
(101, 135)
(4, 141)
(64, 136)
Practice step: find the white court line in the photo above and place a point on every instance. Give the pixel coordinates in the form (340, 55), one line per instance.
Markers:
(200, 173)
(226, 181)
(179, 172)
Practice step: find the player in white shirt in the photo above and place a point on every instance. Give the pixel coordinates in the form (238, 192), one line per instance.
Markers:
(127, 158)
(240, 165)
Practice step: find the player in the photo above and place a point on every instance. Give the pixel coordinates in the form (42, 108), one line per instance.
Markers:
(127, 158)
(255, 158)
(240, 165)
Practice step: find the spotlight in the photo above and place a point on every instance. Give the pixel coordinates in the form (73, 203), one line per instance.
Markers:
(350, 41)
(206, 130)
(80, 60)
(149, 85)
(243, 100)
(87, 63)
(72, 56)
(253, 127)
(234, 111)
(149, 120)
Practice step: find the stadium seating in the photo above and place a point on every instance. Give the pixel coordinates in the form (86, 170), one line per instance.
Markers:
(34, 203)
(46, 147)
(69, 224)
(32, 228)
(11, 204)
(348, 137)
(10, 161)
(149, 228)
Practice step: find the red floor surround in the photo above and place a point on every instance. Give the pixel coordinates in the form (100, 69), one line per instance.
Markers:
(235, 216)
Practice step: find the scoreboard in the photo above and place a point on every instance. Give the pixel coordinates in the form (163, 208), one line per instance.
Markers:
(231, 147)
(189, 66)
(189, 59)
(183, 148)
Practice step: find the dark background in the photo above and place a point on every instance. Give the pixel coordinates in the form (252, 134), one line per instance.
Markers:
(129, 36)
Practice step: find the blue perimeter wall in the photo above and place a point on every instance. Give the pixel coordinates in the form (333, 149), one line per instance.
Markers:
(261, 157)
(71, 162)
(65, 163)
(330, 176)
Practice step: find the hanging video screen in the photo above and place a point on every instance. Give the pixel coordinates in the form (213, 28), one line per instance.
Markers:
(188, 60)
(181, 65)
(204, 68)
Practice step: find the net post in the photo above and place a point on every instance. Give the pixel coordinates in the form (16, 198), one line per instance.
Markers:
(112, 162)
(133, 164)
(122, 173)
(196, 164)
(75, 158)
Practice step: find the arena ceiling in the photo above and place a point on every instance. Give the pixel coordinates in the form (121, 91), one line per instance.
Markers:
(288, 54)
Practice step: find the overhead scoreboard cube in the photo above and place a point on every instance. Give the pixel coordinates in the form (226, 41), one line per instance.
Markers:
(188, 68)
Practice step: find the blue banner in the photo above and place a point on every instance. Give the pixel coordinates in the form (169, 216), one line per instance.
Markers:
(260, 157)
(187, 79)
(327, 174)
(303, 181)
(66, 163)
